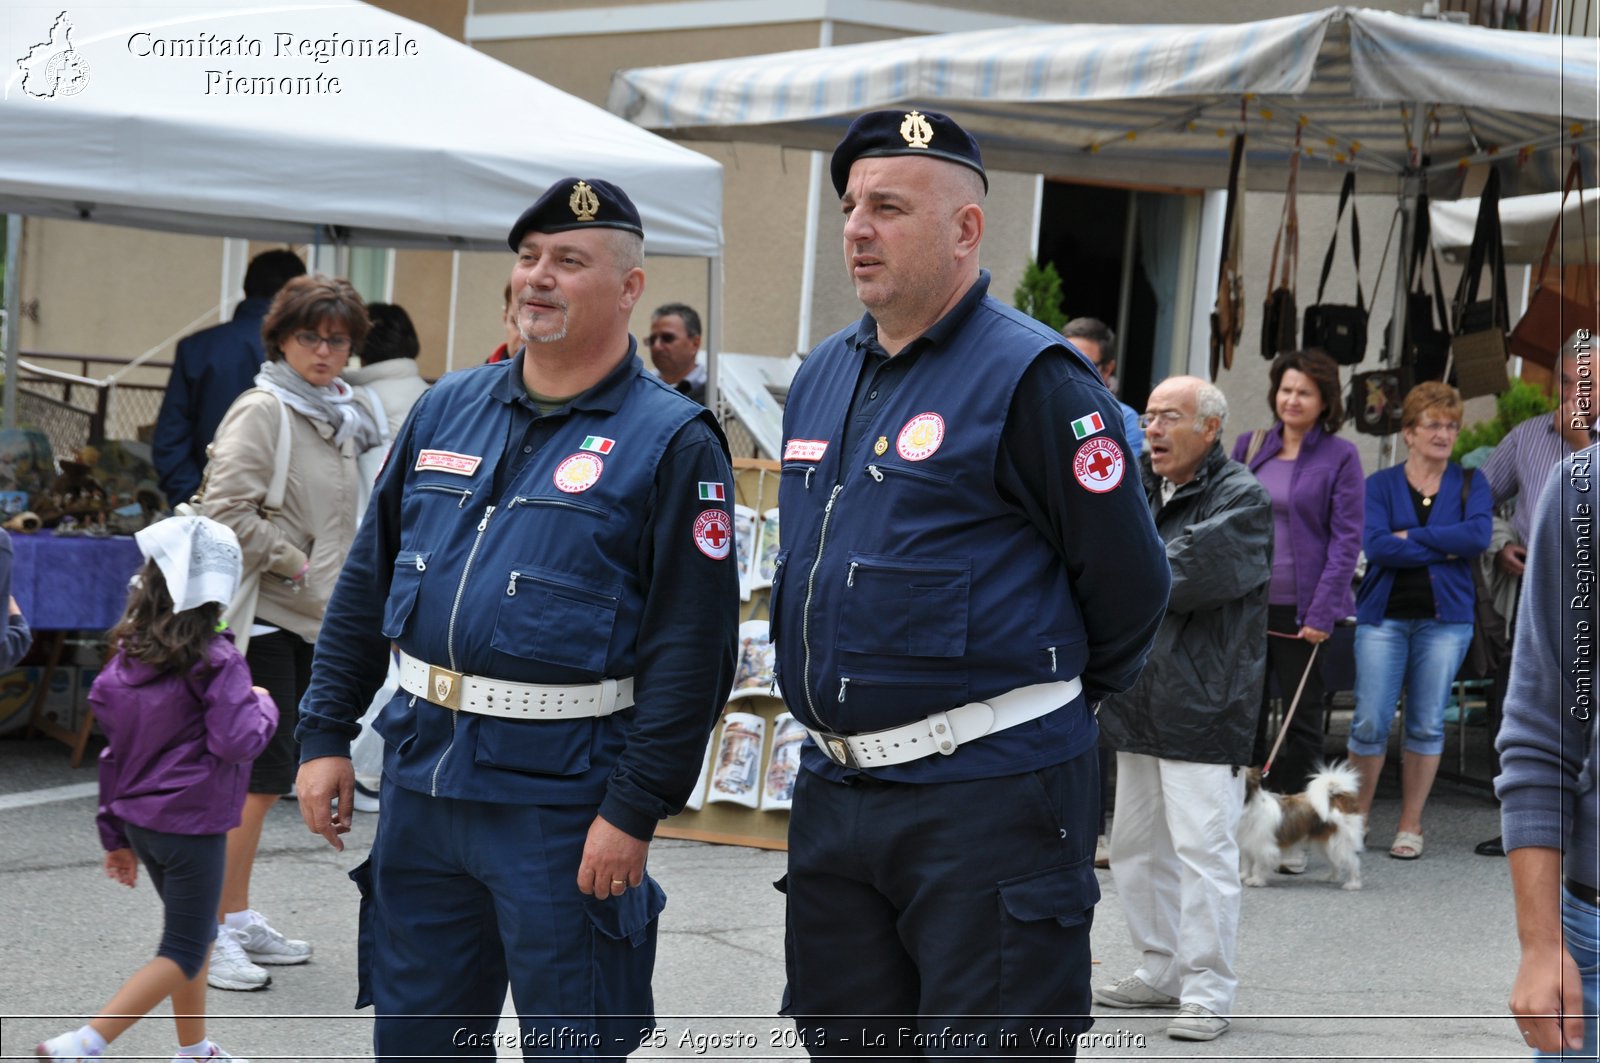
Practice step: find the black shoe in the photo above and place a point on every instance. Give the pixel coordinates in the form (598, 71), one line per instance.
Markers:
(1493, 847)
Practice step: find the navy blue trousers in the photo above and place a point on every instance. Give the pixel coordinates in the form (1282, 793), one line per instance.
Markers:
(949, 919)
(462, 898)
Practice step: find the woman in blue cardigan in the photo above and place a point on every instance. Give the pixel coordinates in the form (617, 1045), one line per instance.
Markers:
(1425, 524)
(1317, 490)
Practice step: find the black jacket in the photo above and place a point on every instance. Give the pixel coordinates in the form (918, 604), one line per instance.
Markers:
(1199, 694)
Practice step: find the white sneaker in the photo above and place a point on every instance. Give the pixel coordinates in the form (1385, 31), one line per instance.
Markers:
(1132, 992)
(65, 1046)
(216, 1053)
(231, 968)
(1195, 1022)
(265, 945)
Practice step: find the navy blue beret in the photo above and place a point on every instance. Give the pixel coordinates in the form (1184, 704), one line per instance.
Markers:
(577, 203)
(879, 133)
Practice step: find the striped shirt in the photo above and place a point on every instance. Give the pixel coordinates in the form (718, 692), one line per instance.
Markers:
(1520, 466)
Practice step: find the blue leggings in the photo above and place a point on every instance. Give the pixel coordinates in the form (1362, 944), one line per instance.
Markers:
(186, 871)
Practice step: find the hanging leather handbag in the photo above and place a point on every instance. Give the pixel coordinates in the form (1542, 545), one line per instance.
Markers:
(1279, 317)
(1478, 346)
(1557, 309)
(1227, 314)
(1427, 348)
(1339, 330)
(1375, 400)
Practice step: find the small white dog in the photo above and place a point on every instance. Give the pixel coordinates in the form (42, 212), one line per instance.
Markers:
(1325, 815)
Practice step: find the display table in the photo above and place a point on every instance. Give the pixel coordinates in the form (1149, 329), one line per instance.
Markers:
(63, 584)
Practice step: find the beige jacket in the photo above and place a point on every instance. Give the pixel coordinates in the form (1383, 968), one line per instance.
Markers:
(318, 519)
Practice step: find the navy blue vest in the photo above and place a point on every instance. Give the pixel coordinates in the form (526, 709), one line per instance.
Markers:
(539, 584)
(906, 584)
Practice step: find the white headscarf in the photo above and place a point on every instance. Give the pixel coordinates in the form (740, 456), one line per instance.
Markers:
(198, 557)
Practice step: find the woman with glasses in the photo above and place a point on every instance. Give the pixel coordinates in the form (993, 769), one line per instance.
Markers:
(298, 548)
(1426, 522)
(1318, 503)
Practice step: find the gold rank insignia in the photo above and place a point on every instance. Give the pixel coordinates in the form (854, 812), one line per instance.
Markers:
(915, 130)
(583, 201)
(881, 445)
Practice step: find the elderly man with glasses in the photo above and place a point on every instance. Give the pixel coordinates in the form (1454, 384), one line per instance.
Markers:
(1183, 733)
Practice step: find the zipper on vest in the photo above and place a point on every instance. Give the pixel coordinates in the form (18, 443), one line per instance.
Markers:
(450, 643)
(805, 613)
(808, 476)
(844, 681)
(464, 492)
(1052, 660)
(562, 503)
(875, 472)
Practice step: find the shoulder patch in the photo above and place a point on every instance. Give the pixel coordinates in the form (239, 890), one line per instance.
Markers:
(1098, 465)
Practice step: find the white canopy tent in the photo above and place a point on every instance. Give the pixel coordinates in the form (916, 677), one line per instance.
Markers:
(1525, 223)
(309, 122)
(1401, 100)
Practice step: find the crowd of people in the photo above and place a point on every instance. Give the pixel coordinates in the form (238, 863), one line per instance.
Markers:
(520, 581)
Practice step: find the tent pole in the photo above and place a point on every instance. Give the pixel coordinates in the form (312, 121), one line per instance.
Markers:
(1411, 185)
(13, 301)
(808, 262)
(713, 329)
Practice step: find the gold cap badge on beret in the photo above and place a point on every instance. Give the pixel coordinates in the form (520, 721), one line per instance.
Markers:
(915, 130)
(584, 203)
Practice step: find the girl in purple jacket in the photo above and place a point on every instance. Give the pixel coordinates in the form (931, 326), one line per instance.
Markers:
(183, 724)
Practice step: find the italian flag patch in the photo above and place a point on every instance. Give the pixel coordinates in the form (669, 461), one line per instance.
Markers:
(1084, 427)
(712, 491)
(598, 444)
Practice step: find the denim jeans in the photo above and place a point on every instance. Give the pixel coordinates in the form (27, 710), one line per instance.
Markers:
(1421, 656)
(1581, 922)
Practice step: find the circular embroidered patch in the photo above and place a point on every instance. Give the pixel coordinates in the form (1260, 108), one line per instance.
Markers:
(1098, 465)
(578, 472)
(920, 437)
(713, 533)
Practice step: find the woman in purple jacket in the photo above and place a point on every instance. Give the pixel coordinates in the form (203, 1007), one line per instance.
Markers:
(1318, 496)
(183, 723)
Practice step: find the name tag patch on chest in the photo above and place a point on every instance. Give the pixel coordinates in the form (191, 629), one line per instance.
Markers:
(713, 533)
(448, 461)
(1098, 465)
(804, 449)
(920, 437)
(578, 472)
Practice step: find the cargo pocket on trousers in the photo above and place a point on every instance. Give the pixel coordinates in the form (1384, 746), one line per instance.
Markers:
(362, 877)
(1045, 918)
(624, 938)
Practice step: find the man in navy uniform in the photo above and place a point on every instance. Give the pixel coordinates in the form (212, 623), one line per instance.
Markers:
(968, 566)
(211, 368)
(549, 549)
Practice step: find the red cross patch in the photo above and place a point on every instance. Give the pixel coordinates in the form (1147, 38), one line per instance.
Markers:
(1098, 465)
(713, 533)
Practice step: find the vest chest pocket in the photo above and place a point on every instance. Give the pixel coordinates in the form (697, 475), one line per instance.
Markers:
(409, 567)
(548, 616)
(905, 607)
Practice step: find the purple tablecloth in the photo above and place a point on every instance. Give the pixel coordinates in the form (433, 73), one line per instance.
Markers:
(72, 582)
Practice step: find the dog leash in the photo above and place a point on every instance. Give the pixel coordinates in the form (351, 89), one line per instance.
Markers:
(1293, 705)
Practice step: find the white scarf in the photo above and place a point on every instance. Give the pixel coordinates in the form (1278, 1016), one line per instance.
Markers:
(335, 405)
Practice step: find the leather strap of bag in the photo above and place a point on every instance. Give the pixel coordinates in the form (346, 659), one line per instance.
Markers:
(1346, 195)
(1258, 437)
(1288, 236)
(1574, 176)
(1488, 250)
(1422, 247)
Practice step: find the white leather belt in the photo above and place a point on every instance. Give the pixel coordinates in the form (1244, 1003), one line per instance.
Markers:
(945, 732)
(514, 701)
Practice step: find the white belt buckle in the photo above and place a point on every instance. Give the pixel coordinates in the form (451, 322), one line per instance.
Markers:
(608, 696)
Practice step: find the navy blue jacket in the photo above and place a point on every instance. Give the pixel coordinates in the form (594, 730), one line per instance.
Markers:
(213, 367)
(556, 549)
(938, 547)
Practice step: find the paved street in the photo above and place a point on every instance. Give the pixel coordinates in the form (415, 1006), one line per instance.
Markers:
(1417, 965)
